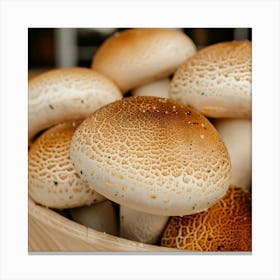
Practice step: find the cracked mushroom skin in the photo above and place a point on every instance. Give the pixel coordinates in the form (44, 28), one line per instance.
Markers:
(217, 80)
(135, 57)
(226, 226)
(66, 94)
(52, 180)
(153, 155)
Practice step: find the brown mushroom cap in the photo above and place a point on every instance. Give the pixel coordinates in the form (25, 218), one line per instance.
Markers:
(52, 180)
(226, 226)
(138, 56)
(66, 94)
(153, 155)
(216, 80)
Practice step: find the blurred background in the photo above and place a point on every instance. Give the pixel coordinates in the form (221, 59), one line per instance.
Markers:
(65, 47)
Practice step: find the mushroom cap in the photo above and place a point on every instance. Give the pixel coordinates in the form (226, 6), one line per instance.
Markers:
(153, 155)
(52, 180)
(100, 216)
(226, 226)
(140, 226)
(138, 56)
(217, 80)
(158, 88)
(237, 136)
(66, 94)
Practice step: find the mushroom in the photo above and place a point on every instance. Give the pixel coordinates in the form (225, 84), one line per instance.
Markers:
(217, 80)
(101, 216)
(153, 155)
(135, 57)
(140, 226)
(237, 136)
(158, 88)
(66, 94)
(52, 180)
(226, 226)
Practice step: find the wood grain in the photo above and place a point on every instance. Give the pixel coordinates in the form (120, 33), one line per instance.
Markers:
(49, 231)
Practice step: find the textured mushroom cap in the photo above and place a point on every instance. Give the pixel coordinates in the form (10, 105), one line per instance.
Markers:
(66, 94)
(138, 56)
(237, 136)
(158, 88)
(101, 216)
(140, 226)
(217, 80)
(153, 155)
(52, 180)
(226, 226)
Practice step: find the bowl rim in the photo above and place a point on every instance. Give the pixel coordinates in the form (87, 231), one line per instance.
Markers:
(50, 218)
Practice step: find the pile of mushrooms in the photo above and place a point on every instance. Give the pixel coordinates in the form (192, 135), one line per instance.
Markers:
(152, 143)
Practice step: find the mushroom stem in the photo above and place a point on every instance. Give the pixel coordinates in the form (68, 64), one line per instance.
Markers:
(158, 88)
(101, 216)
(142, 227)
(237, 136)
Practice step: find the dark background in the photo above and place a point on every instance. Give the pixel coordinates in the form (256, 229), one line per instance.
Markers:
(65, 47)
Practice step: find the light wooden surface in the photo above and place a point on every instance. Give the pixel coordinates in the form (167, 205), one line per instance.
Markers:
(49, 231)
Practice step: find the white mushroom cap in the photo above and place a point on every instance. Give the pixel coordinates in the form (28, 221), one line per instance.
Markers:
(138, 56)
(237, 136)
(153, 155)
(158, 88)
(101, 216)
(217, 80)
(66, 94)
(140, 226)
(52, 180)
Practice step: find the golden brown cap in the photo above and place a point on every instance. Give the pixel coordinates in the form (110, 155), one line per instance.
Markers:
(138, 56)
(217, 80)
(226, 226)
(52, 180)
(153, 155)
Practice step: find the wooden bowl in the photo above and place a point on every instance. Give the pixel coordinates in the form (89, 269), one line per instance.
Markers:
(48, 231)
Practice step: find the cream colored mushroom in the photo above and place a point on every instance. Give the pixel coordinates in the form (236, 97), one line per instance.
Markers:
(226, 226)
(217, 80)
(52, 180)
(158, 88)
(140, 226)
(135, 57)
(237, 136)
(101, 216)
(66, 94)
(153, 155)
